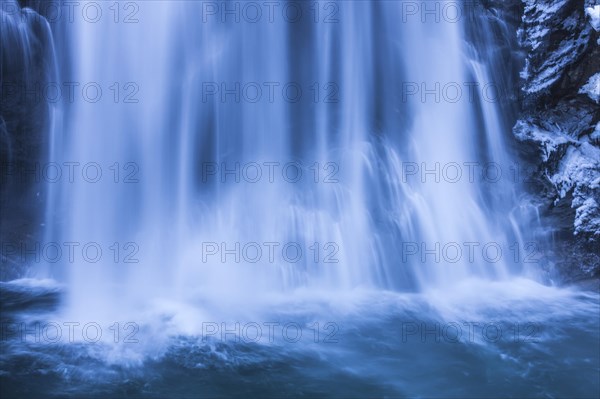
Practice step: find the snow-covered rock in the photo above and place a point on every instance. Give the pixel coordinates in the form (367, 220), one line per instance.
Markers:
(594, 14)
(592, 88)
(556, 35)
(559, 124)
(579, 172)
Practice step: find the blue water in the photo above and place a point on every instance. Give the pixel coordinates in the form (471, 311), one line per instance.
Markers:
(521, 340)
(184, 321)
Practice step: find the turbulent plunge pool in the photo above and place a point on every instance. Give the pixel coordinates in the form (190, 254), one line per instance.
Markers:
(480, 338)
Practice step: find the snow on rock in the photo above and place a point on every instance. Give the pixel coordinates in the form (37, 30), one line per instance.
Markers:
(565, 139)
(592, 88)
(548, 141)
(594, 14)
(579, 173)
(548, 57)
(559, 123)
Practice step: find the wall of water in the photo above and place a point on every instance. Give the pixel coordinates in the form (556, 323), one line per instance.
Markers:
(190, 93)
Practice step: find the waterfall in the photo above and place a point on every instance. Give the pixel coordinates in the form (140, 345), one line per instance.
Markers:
(304, 145)
(461, 194)
(276, 199)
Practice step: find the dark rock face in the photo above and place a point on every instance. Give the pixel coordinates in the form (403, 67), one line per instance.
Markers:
(27, 65)
(559, 126)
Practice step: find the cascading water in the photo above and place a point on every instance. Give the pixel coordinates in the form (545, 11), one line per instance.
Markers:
(226, 100)
(221, 141)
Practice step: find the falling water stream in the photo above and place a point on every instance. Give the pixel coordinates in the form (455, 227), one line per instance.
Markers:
(223, 144)
(213, 147)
